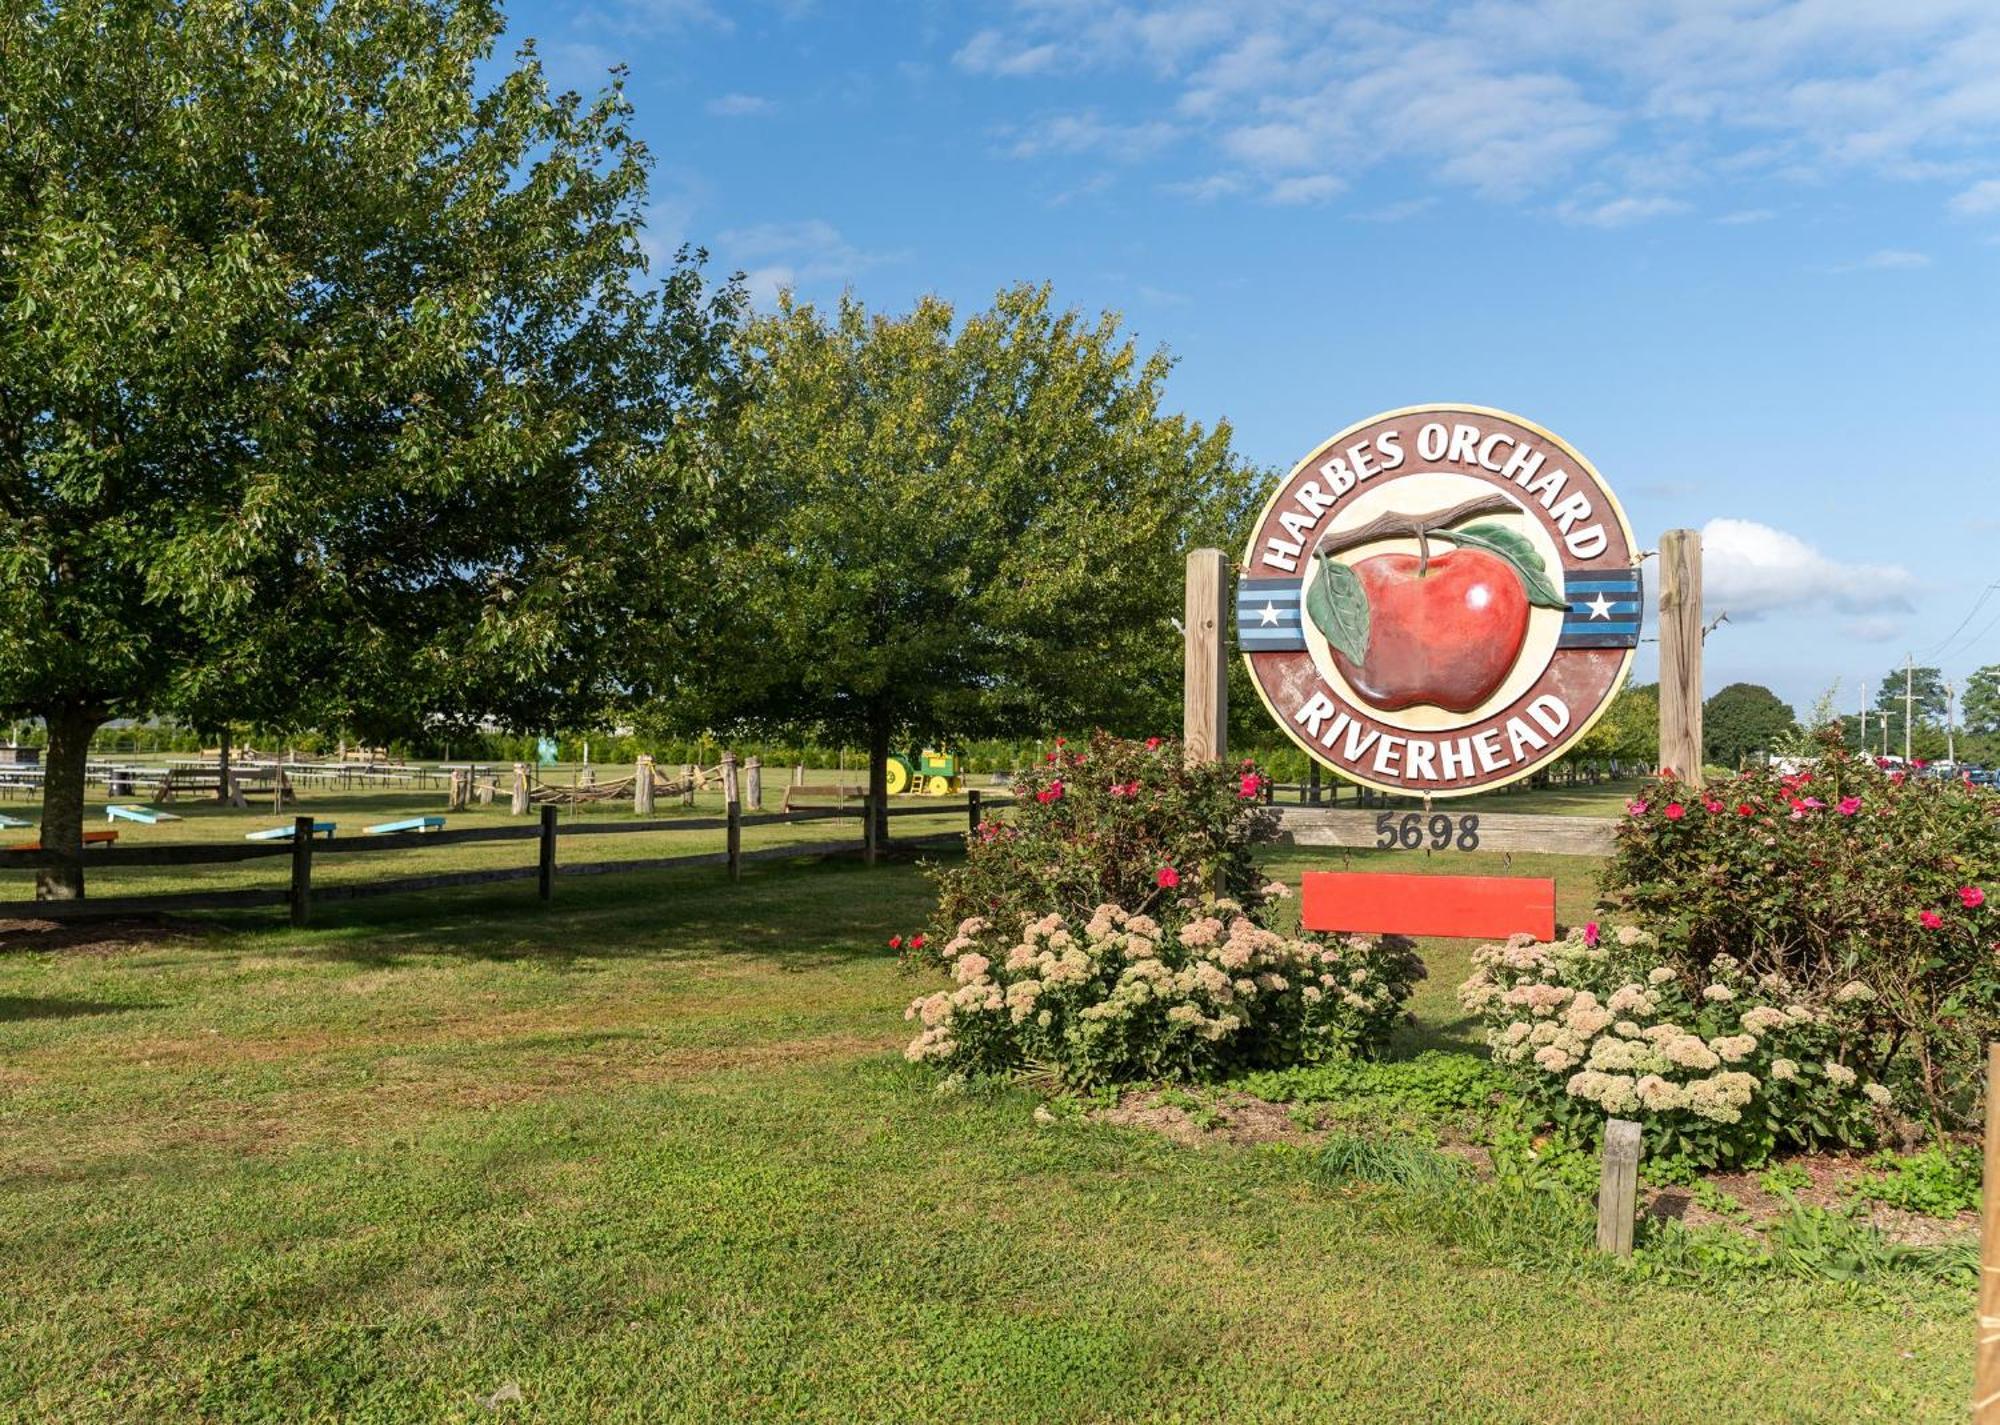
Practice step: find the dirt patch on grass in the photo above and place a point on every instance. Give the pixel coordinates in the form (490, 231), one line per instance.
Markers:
(1742, 1199)
(98, 937)
(1197, 1120)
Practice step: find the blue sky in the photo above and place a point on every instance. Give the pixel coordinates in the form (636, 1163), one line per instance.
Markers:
(1744, 254)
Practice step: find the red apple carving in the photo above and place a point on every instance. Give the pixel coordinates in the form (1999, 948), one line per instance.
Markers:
(1437, 628)
(1447, 635)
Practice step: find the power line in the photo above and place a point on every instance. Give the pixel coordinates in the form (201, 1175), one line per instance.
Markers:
(1970, 614)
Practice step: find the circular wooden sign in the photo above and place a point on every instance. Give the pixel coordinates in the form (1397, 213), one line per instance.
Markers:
(1439, 600)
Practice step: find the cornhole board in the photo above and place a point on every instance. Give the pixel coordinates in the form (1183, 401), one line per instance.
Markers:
(415, 823)
(1467, 907)
(284, 833)
(145, 816)
(90, 838)
(12, 823)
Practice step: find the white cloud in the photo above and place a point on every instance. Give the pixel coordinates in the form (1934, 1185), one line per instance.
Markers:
(1889, 259)
(1619, 212)
(1750, 569)
(1527, 100)
(1086, 133)
(740, 106)
(1313, 188)
(779, 256)
(1744, 216)
(1874, 628)
(1981, 197)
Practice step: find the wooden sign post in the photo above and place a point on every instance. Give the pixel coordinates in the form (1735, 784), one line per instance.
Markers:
(1986, 1364)
(1680, 654)
(1205, 682)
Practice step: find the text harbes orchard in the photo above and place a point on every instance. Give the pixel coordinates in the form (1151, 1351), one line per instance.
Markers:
(1495, 453)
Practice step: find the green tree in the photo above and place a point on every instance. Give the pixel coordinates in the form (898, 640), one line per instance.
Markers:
(332, 386)
(1980, 707)
(1924, 714)
(1629, 731)
(954, 530)
(1743, 719)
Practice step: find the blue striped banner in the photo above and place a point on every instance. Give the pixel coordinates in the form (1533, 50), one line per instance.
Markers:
(1605, 608)
(1268, 616)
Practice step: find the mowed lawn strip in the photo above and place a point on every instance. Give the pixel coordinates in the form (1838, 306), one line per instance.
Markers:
(654, 1154)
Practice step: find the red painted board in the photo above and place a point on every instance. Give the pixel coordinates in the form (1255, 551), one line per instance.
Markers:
(1473, 907)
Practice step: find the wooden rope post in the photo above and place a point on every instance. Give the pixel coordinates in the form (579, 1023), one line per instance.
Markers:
(753, 784)
(972, 811)
(518, 803)
(1618, 1187)
(1680, 654)
(302, 869)
(687, 784)
(1205, 649)
(733, 810)
(547, 862)
(1986, 1364)
(642, 787)
(461, 786)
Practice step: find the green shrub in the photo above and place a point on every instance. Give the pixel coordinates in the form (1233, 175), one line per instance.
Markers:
(1120, 823)
(1717, 1075)
(1845, 872)
(1122, 998)
(1396, 1162)
(1941, 1181)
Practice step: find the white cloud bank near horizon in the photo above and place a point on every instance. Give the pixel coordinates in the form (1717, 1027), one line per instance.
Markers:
(1751, 570)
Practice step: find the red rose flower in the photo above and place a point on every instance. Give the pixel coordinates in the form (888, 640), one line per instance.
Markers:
(1930, 920)
(1168, 878)
(1152, 744)
(1745, 809)
(895, 942)
(1971, 897)
(916, 942)
(1675, 811)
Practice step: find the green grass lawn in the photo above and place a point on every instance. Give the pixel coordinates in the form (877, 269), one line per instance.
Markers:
(654, 1155)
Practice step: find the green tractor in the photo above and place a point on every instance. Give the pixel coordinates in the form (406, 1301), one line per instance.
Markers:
(932, 774)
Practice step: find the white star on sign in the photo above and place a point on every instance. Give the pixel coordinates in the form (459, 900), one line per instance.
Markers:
(1600, 607)
(1269, 617)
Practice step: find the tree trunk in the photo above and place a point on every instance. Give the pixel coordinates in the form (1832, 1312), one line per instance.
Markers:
(70, 731)
(878, 771)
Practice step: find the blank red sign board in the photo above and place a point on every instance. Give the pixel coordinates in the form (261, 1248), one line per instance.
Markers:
(1384, 903)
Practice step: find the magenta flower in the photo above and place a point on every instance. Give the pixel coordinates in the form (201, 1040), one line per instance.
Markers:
(1590, 934)
(1249, 786)
(1849, 806)
(1636, 807)
(1711, 806)
(1675, 811)
(1971, 897)
(1930, 920)
(1168, 878)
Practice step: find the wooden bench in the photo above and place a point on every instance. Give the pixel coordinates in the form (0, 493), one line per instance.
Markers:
(842, 795)
(1388, 903)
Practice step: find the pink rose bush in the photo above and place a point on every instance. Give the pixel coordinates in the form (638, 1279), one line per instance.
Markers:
(1717, 1076)
(1839, 871)
(1122, 997)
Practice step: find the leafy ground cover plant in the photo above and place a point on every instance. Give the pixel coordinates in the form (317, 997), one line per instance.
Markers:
(1941, 1181)
(1122, 998)
(1845, 872)
(1119, 822)
(1718, 1074)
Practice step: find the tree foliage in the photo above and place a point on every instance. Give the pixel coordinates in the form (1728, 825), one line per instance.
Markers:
(1742, 720)
(326, 375)
(954, 528)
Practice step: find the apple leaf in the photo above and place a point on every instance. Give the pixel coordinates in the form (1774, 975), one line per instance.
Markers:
(1513, 547)
(1339, 607)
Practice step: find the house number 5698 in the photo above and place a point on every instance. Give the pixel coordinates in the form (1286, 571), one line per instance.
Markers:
(1413, 830)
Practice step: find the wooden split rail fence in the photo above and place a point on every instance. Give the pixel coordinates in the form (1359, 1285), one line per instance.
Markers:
(303, 850)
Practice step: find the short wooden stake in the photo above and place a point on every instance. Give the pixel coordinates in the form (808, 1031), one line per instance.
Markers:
(972, 811)
(547, 864)
(1618, 1187)
(1680, 654)
(302, 869)
(733, 810)
(1986, 1364)
(753, 784)
(518, 803)
(1205, 649)
(642, 787)
(687, 784)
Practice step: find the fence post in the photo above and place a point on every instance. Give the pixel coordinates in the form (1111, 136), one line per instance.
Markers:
(753, 791)
(1680, 654)
(732, 807)
(1986, 1364)
(1312, 783)
(548, 852)
(867, 830)
(461, 784)
(972, 811)
(302, 869)
(518, 806)
(642, 787)
(799, 774)
(1618, 1187)
(687, 784)
(1205, 650)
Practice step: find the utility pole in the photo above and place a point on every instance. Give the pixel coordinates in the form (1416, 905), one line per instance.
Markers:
(1909, 700)
(1864, 715)
(1950, 742)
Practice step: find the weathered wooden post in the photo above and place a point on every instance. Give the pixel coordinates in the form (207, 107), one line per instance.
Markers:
(753, 789)
(1312, 783)
(547, 862)
(482, 789)
(972, 811)
(518, 805)
(456, 798)
(733, 811)
(1680, 654)
(1618, 1187)
(1205, 676)
(687, 784)
(642, 787)
(798, 774)
(1986, 1364)
(302, 869)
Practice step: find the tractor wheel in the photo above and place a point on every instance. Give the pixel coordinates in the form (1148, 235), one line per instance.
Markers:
(937, 786)
(898, 777)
